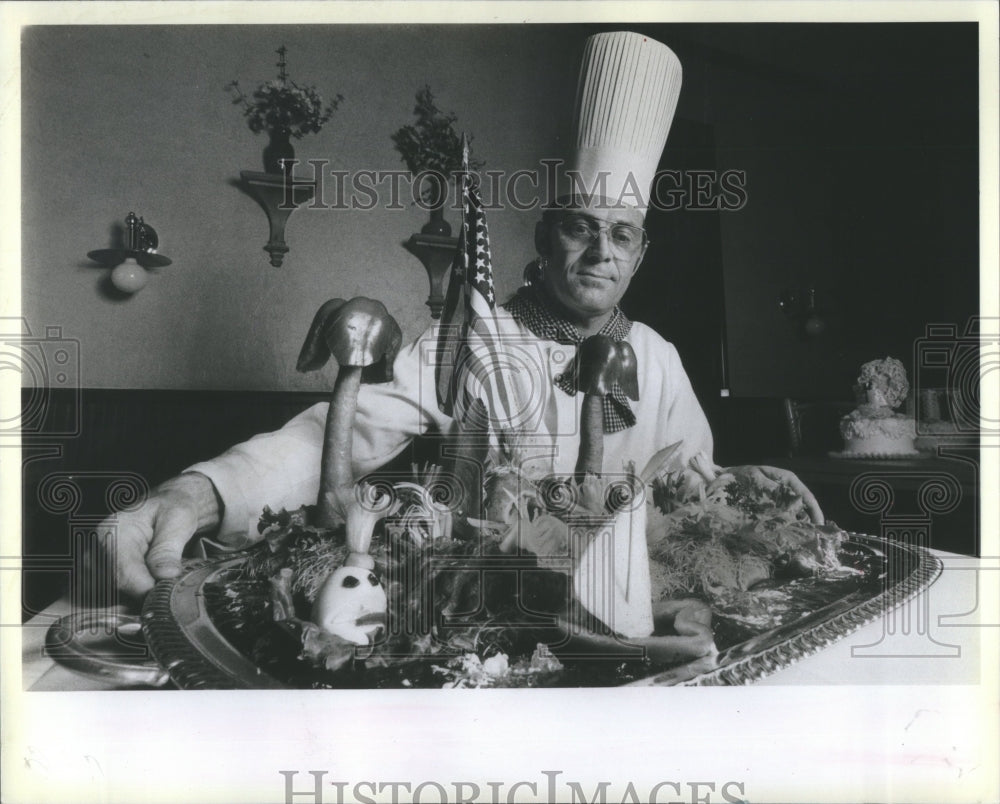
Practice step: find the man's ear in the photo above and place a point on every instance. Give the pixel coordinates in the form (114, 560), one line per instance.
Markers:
(542, 245)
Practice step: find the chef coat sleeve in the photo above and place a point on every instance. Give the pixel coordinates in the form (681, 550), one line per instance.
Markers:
(668, 411)
(281, 469)
(685, 419)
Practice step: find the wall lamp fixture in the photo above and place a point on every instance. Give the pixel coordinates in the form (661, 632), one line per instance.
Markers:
(133, 259)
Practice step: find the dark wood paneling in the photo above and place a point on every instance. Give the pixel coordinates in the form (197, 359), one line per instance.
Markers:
(93, 437)
(937, 496)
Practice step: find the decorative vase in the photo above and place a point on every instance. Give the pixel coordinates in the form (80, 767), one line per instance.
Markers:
(437, 225)
(279, 148)
(437, 197)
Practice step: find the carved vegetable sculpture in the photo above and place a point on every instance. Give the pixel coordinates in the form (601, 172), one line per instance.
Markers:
(600, 363)
(352, 604)
(365, 340)
(611, 579)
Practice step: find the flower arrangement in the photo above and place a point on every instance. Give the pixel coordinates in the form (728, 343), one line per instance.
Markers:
(283, 105)
(431, 144)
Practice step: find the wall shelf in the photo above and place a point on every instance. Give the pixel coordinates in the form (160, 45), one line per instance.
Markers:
(436, 253)
(280, 196)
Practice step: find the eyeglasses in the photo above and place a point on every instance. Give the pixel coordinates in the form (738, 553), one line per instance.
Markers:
(583, 231)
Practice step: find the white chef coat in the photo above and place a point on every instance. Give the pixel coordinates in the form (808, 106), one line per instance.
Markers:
(281, 469)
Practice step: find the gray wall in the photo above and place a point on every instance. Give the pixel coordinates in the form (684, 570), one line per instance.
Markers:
(118, 119)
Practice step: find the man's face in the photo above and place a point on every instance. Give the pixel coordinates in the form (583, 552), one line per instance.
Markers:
(588, 278)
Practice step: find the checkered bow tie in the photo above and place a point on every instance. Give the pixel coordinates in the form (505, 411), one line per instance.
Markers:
(528, 308)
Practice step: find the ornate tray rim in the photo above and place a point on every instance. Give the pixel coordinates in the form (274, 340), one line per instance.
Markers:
(181, 636)
(844, 455)
(776, 654)
(183, 639)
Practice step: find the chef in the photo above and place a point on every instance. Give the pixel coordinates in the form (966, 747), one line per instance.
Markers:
(589, 244)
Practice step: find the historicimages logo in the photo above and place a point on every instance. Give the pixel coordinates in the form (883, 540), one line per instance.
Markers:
(314, 788)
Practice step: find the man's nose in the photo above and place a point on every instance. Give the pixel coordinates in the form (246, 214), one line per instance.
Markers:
(600, 248)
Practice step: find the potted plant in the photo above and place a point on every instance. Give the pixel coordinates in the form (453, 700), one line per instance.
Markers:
(284, 109)
(432, 149)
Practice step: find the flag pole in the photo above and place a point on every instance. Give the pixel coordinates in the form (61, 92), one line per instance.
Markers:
(466, 456)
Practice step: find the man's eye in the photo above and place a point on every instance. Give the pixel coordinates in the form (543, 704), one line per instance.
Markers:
(578, 229)
(623, 236)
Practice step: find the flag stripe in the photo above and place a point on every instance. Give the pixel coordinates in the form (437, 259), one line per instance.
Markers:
(469, 341)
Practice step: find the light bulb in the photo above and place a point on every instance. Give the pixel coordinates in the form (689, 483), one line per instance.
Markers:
(129, 277)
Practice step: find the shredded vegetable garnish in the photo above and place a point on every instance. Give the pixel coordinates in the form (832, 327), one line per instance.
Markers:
(735, 534)
(469, 670)
(471, 607)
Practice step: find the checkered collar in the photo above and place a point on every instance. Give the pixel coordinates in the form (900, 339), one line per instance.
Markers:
(530, 308)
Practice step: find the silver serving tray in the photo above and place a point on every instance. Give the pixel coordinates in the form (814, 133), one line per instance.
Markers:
(107, 645)
(196, 655)
(187, 644)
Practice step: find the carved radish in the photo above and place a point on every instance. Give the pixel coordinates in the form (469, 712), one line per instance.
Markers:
(600, 363)
(364, 339)
(351, 604)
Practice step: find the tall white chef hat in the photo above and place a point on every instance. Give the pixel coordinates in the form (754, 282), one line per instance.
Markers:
(625, 102)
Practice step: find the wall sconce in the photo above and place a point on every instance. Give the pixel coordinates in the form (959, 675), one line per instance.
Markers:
(802, 310)
(132, 261)
(279, 195)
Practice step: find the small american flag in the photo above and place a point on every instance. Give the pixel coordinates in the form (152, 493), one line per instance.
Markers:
(469, 355)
